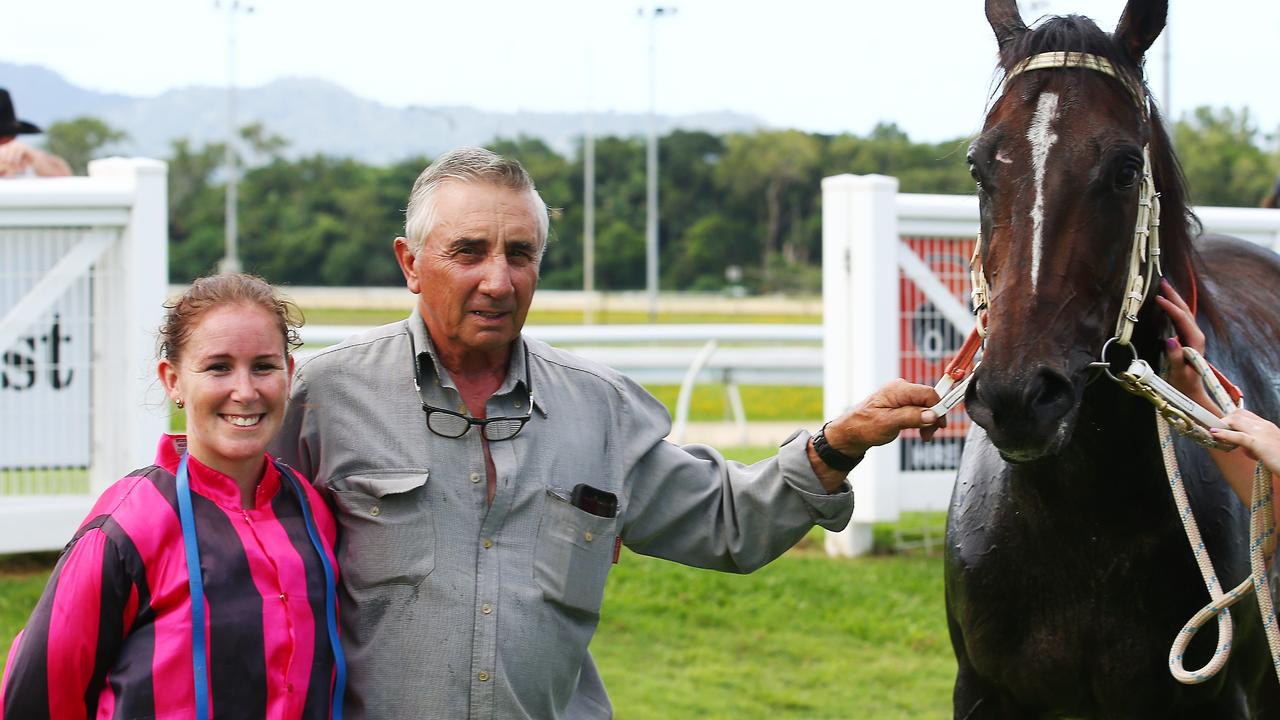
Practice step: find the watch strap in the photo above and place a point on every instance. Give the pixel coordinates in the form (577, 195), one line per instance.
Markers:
(834, 459)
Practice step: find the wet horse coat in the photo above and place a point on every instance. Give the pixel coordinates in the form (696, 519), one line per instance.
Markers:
(1067, 570)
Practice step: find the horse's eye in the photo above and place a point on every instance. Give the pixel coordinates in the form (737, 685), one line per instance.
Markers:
(973, 173)
(1127, 175)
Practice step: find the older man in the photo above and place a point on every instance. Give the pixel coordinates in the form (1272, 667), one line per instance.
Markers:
(485, 481)
(18, 159)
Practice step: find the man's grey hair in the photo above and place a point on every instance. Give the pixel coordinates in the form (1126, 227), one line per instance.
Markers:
(466, 165)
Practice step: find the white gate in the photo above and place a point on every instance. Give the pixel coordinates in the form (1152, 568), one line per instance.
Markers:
(83, 270)
(895, 290)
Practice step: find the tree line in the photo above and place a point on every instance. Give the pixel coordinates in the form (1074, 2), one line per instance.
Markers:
(738, 211)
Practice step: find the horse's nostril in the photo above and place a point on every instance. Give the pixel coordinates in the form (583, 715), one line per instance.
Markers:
(1048, 394)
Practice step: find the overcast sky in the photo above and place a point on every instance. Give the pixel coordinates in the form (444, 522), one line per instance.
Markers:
(818, 65)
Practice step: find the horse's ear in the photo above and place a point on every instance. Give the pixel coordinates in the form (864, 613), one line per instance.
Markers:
(1005, 20)
(1140, 25)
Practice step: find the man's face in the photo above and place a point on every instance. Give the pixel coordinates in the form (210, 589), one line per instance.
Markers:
(477, 270)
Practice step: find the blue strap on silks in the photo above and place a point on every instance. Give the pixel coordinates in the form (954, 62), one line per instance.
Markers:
(330, 593)
(196, 581)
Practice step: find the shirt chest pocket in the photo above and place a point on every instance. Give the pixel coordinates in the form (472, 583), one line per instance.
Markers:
(574, 553)
(388, 535)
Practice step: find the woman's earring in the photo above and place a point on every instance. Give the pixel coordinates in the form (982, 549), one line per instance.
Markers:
(178, 402)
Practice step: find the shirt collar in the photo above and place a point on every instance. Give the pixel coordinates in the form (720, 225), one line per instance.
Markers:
(210, 483)
(516, 372)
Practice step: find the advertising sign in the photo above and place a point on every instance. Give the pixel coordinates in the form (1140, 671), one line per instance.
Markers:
(929, 341)
(45, 378)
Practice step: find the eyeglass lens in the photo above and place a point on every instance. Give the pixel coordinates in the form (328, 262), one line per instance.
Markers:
(503, 428)
(442, 423)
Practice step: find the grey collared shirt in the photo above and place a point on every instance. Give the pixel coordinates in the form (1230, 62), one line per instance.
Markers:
(454, 608)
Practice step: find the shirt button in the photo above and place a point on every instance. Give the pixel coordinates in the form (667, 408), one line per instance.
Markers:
(482, 676)
(284, 597)
(475, 477)
(289, 687)
(516, 403)
(487, 543)
(588, 536)
(375, 511)
(486, 608)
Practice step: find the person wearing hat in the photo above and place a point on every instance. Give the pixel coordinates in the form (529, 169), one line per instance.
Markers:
(18, 159)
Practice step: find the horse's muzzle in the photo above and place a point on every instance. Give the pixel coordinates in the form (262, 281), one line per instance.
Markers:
(1027, 417)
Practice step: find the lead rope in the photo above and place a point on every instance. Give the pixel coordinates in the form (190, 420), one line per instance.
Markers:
(1262, 540)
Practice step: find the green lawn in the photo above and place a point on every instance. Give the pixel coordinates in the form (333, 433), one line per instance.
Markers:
(805, 637)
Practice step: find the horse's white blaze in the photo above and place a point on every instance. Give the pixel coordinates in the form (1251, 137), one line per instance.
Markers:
(1042, 137)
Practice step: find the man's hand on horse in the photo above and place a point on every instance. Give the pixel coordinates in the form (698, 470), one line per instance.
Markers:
(879, 419)
(1182, 374)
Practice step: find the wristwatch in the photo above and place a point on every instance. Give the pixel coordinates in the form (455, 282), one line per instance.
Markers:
(834, 459)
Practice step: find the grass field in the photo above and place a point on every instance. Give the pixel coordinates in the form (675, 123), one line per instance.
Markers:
(805, 637)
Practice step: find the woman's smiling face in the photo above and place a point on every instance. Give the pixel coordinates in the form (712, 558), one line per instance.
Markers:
(233, 376)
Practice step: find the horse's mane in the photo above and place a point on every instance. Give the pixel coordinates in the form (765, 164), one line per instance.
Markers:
(1178, 224)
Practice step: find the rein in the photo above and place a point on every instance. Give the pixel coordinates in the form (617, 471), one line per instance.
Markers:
(1173, 409)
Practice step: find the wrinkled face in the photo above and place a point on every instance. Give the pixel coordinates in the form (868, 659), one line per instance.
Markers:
(477, 270)
(233, 376)
(1059, 165)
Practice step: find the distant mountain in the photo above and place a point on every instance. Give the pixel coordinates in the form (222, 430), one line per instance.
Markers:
(317, 116)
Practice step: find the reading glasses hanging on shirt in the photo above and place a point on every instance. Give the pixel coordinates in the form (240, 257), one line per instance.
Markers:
(450, 424)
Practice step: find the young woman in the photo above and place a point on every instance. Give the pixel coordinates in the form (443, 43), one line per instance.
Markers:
(116, 632)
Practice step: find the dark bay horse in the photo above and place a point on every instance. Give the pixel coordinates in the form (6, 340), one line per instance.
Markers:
(1067, 570)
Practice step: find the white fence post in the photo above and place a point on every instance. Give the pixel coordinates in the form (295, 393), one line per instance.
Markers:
(860, 331)
(127, 317)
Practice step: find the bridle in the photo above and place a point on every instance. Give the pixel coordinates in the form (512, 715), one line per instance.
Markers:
(1144, 253)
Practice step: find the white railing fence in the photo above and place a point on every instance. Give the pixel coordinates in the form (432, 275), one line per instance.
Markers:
(83, 268)
(896, 304)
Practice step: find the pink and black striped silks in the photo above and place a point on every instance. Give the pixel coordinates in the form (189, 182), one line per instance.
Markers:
(111, 635)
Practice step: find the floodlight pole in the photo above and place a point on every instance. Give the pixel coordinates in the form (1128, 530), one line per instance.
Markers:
(231, 258)
(651, 201)
(589, 204)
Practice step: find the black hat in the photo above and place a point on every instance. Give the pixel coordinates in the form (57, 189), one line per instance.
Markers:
(9, 123)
